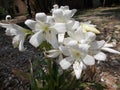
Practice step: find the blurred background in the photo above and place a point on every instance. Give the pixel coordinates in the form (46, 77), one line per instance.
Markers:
(30, 7)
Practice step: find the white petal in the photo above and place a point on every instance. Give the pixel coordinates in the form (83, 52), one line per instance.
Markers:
(90, 37)
(36, 39)
(21, 46)
(55, 6)
(16, 40)
(53, 53)
(72, 25)
(89, 60)
(5, 25)
(41, 17)
(12, 29)
(30, 23)
(64, 50)
(58, 14)
(67, 14)
(76, 25)
(61, 38)
(64, 7)
(18, 28)
(113, 44)
(97, 44)
(111, 50)
(78, 67)
(70, 42)
(59, 27)
(66, 63)
(100, 56)
(89, 28)
(73, 12)
(52, 39)
(84, 48)
(50, 20)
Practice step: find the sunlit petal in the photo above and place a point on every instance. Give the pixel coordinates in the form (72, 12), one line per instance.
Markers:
(16, 40)
(66, 63)
(89, 28)
(111, 50)
(100, 56)
(78, 67)
(36, 39)
(52, 39)
(30, 23)
(89, 60)
(97, 44)
(59, 27)
(64, 50)
(69, 41)
(21, 45)
(53, 53)
(61, 38)
(41, 17)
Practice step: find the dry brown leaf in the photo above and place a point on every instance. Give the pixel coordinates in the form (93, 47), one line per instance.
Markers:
(109, 80)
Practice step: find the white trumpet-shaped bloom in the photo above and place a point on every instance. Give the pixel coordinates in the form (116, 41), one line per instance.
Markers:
(18, 32)
(87, 27)
(62, 14)
(44, 29)
(79, 37)
(97, 47)
(95, 50)
(73, 43)
(77, 57)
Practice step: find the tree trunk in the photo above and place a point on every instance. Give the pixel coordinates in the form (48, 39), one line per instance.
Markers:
(29, 8)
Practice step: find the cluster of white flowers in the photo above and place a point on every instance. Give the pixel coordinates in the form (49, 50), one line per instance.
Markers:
(73, 43)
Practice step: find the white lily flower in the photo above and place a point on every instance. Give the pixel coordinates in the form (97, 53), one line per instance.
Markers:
(18, 32)
(62, 14)
(98, 46)
(95, 50)
(79, 37)
(45, 29)
(77, 57)
(87, 27)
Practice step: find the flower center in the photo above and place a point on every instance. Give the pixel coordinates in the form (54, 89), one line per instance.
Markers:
(46, 28)
(77, 55)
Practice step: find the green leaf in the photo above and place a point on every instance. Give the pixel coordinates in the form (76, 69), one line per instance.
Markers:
(45, 45)
(98, 86)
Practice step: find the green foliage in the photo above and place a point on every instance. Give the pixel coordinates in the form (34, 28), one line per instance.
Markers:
(44, 75)
(45, 45)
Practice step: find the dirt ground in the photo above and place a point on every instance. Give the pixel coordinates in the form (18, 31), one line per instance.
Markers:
(107, 20)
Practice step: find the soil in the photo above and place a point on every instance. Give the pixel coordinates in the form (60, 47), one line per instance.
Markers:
(106, 19)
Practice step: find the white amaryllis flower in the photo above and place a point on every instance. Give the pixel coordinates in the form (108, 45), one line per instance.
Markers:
(18, 32)
(87, 27)
(79, 37)
(44, 29)
(77, 57)
(97, 47)
(62, 14)
(95, 50)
